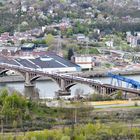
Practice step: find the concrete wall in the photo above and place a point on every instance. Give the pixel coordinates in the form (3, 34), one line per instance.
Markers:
(68, 69)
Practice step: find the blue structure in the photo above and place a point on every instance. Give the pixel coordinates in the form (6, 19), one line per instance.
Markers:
(133, 83)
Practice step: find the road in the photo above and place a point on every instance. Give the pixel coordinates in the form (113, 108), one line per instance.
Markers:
(96, 105)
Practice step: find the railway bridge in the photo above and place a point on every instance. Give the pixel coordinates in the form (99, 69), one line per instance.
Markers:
(64, 81)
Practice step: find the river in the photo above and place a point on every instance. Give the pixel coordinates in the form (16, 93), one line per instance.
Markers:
(47, 89)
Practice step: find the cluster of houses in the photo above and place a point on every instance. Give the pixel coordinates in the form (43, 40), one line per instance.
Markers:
(90, 12)
(15, 40)
(134, 39)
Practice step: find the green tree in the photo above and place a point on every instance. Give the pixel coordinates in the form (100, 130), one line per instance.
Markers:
(62, 1)
(69, 32)
(119, 95)
(3, 95)
(14, 107)
(96, 15)
(15, 125)
(70, 54)
(80, 28)
(49, 39)
(65, 138)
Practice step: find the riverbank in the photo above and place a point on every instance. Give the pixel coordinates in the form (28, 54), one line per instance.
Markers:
(104, 73)
(36, 115)
(108, 123)
(95, 104)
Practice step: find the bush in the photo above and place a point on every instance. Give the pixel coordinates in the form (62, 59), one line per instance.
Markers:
(99, 97)
(81, 132)
(119, 95)
(65, 138)
(135, 104)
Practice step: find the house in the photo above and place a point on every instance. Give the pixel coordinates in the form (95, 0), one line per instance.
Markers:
(96, 30)
(28, 47)
(84, 61)
(134, 40)
(81, 37)
(109, 43)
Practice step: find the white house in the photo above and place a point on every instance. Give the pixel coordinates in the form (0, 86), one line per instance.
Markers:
(84, 61)
(134, 40)
(81, 37)
(109, 43)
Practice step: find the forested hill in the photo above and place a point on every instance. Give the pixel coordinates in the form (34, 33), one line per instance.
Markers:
(29, 14)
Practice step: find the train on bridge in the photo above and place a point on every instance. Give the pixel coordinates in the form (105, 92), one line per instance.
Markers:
(65, 81)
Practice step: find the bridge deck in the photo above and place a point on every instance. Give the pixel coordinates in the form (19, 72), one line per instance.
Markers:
(69, 77)
(129, 90)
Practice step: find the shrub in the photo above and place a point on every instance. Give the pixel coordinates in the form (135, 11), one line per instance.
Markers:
(135, 104)
(99, 97)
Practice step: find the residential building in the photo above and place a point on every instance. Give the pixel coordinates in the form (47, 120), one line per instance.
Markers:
(81, 37)
(134, 40)
(84, 61)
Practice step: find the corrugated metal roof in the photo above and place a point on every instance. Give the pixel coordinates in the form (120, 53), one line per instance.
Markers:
(48, 61)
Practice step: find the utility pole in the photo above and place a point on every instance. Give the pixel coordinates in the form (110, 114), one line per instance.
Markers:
(58, 48)
(87, 51)
(87, 47)
(75, 115)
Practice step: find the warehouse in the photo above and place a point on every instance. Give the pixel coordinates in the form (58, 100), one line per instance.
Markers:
(47, 63)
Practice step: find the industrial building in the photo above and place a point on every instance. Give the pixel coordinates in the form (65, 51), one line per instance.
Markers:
(47, 63)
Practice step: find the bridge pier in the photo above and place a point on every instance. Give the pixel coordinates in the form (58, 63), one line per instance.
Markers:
(103, 90)
(28, 82)
(31, 92)
(29, 87)
(99, 89)
(63, 93)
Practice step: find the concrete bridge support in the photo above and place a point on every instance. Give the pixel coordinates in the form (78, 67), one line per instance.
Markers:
(103, 90)
(63, 90)
(28, 82)
(97, 89)
(31, 92)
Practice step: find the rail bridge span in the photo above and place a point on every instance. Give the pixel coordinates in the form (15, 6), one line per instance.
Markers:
(64, 81)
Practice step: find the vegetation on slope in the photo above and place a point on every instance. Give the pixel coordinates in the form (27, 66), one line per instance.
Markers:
(82, 132)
